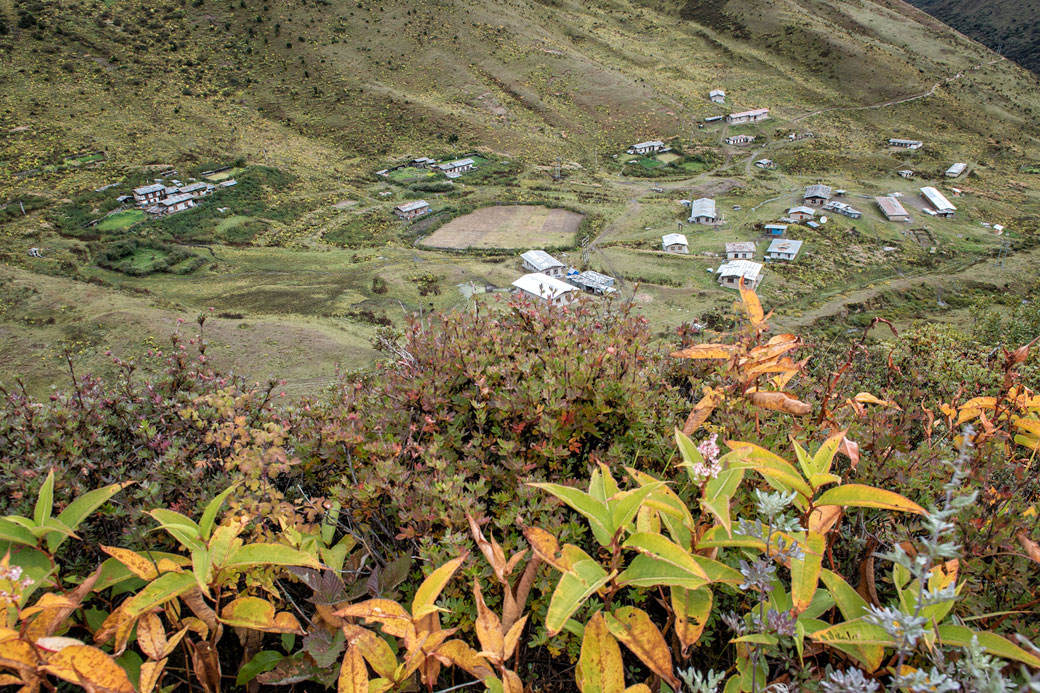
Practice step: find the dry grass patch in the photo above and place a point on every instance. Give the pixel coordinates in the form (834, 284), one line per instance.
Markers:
(508, 226)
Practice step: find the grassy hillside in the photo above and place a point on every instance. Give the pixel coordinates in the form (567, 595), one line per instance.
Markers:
(1010, 27)
(307, 99)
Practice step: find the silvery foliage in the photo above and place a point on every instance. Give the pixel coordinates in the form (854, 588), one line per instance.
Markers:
(851, 681)
(701, 683)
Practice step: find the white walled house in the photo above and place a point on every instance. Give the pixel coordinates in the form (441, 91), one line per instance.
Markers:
(675, 243)
(801, 213)
(730, 274)
(753, 116)
(892, 209)
(905, 144)
(956, 170)
(702, 211)
(411, 210)
(938, 201)
(740, 139)
(454, 169)
(843, 208)
(593, 282)
(176, 203)
(717, 95)
(651, 147)
(545, 288)
(783, 249)
(149, 193)
(543, 262)
(744, 250)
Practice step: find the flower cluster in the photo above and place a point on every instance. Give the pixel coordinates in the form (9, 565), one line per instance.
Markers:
(710, 467)
(16, 583)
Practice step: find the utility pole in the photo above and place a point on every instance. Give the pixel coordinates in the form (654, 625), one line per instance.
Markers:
(586, 252)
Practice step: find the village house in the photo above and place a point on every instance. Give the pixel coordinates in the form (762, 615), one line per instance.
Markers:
(230, 183)
(765, 163)
(149, 193)
(817, 195)
(905, 144)
(411, 210)
(675, 243)
(942, 207)
(541, 261)
(740, 139)
(731, 273)
(545, 288)
(956, 170)
(175, 203)
(905, 173)
(843, 208)
(783, 249)
(423, 162)
(713, 119)
(593, 282)
(775, 229)
(892, 209)
(454, 169)
(196, 190)
(801, 213)
(702, 211)
(651, 147)
(717, 95)
(748, 116)
(740, 251)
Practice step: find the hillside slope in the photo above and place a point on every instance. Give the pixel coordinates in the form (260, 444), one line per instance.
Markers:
(1010, 27)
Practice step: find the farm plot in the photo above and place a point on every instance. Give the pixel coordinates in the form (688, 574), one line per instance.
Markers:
(508, 226)
(122, 220)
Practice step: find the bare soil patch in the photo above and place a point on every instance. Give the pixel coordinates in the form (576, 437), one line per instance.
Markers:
(508, 226)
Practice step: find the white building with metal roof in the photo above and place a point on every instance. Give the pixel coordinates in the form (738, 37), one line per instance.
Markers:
(545, 288)
(906, 144)
(801, 213)
(149, 193)
(717, 95)
(817, 194)
(454, 169)
(891, 208)
(744, 250)
(783, 249)
(675, 243)
(651, 147)
(411, 210)
(956, 170)
(541, 261)
(752, 116)
(730, 274)
(593, 282)
(941, 206)
(702, 211)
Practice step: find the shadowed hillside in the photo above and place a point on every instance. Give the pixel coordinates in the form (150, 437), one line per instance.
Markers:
(1010, 27)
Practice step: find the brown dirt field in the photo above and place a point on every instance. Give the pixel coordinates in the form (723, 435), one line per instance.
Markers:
(507, 226)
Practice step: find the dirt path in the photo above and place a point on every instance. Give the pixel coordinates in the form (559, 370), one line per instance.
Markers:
(894, 102)
(986, 270)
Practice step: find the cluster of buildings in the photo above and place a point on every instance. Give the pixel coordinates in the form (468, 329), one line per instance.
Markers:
(551, 281)
(450, 169)
(160, 199)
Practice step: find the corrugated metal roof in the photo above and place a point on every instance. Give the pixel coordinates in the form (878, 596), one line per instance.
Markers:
(818, 190)
(742, 247)
(784, 246)
(740, 268)
(803, 209)
(543, 285)
(673, 238)
(155, 187)
(540, 260)
(703, 207)
(891, 207)
(411, 206)
(937, 199)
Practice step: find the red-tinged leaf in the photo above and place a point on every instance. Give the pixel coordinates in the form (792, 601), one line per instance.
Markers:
(701, 411)
(151, 636)
(459, 654)
(488, 628)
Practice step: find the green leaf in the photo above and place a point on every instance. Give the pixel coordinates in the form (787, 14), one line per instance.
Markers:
(804, 460)
(862, 641)
(625, 504)
(758, 639)
(824, 457)
(805, 572)
(209, 515)
(690, 454)
(575, 586)
(597, 513)
(45, 501)
(159, 591)
(76, 511)
(10, 531)
(201, 564)
(960, 636)
(262, 661)
(602, 485)
(647, 571)
(657, 546)
(692, 608)
(718, 493)
(180, 527)
(861, 496)
(269, 554)
(850, 603)
(718, 571)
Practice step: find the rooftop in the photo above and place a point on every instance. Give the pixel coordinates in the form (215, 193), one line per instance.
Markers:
(937, 199)
(802, 208)
(543, 285)
(741, 247)
(155, 187)
(673, 238)
(785, 246)
(890, 206)
(703, 207)
(411, 206)
(818, 190)
(740, 268)
(540, 260)
(755, 112)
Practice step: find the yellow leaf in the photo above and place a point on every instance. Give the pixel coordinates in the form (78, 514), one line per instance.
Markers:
(90, 668)
(459, 654)
(751, 304)
(512, 637)
(431, 587)
(706, 351)
(780, 401)
(150, 672)
(805, 572)
(600, 669)
(373, 648)
(353, 676)
(151, 636)
(638, 633)
(488, 628)
(135, 562)
(823, 518)
(259, 614)
(391, 615)
(701, 411)
(692, 609)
